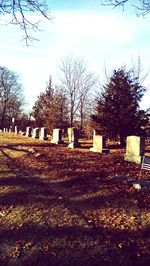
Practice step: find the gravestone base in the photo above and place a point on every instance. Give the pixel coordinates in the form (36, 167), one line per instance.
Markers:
(73, 145)
(100, 151)
(35, 137)
(28, 135)
(57, 142)
(43, 138)
(133, 158)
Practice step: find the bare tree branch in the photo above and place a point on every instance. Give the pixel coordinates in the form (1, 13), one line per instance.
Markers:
(21, 13)
(142, 7)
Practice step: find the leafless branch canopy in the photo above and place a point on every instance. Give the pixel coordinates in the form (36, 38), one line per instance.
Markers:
(21, 11)
(142, 7)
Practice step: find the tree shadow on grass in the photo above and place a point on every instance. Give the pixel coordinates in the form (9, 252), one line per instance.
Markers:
(69, 245)
(75, 246)
(33, 188)
(17, 146)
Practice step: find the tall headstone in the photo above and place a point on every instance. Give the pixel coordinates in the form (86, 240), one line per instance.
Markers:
(73, 136)
(16, 130)
(134, 149)
(57, 136)
(36, 132)
(28, 132)
(43, 133)
(99, 143)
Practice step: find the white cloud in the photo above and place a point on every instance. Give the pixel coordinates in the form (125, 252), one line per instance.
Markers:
(98, 37)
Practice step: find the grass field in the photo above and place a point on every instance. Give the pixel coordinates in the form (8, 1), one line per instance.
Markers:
(61, 206)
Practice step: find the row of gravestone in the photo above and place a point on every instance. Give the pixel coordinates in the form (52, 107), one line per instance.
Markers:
(98, 140)
(56, 137)
(135, 145)
(5, 130)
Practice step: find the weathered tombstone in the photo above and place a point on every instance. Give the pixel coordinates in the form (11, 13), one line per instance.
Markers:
(28, 132)
(43, 133)
(73, 137)
(57, 136)
(16, 130)
(99, 143)
(134, 149)
(10, 129)
(36, 132)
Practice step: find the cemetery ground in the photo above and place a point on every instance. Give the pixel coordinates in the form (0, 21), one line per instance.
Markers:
(61, 206)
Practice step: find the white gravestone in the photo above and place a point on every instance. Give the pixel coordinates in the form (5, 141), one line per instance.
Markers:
(57, 136)
(16, 130)
(99, 144)
(43, 133)
(134, 149)
(10, 129)
(36, 132)
(73, 137)
(28, 132)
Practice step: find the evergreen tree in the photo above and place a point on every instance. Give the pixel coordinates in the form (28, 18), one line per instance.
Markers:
(50, 109)
(117, 112)
(43, 105)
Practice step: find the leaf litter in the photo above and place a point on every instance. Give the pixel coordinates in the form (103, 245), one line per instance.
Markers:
(68, 208)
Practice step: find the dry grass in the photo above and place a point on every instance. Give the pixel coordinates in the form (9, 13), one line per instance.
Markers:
(60, 206)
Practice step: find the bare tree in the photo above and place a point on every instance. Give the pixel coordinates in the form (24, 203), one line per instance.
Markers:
(60, 109)
(11, 98)
(78, 84)
(86, 97)
(21, 13)
(142, 7)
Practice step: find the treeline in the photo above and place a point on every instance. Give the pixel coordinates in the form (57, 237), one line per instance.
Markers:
(71, 103)
(112, 108)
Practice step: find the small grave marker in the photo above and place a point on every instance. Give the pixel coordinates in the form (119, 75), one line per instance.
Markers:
(36, 132)
(73, 137)
(99, 144)
(57, 136)
(43, 133)
(28, 132)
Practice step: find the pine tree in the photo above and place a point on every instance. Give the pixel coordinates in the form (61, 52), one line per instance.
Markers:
(117, 111)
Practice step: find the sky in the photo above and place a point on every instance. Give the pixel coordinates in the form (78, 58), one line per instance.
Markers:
(104, 37)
